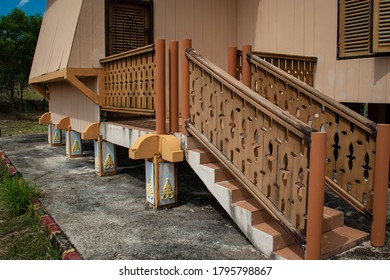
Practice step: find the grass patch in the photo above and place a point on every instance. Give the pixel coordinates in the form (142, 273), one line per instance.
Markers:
(20, 235)
(28, 124)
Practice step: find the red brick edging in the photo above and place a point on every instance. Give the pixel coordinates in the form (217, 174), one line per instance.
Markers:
(57, 238)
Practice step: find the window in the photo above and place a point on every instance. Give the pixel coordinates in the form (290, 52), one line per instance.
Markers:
(364, 28)
(129, 25)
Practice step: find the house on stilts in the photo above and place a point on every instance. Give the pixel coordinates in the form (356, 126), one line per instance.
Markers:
(301, 104)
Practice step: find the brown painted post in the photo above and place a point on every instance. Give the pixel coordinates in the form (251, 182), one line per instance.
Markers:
(174, 86)
(232, 61)
(160, 86)
(381, 177)
(185, 90)
(246, 67)
(316, 195)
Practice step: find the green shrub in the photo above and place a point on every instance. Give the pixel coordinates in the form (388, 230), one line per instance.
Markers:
(16, 195)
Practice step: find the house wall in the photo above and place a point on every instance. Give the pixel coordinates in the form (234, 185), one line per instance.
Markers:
(67, 101)
(89, 41)
(309, 27)
(211, 24)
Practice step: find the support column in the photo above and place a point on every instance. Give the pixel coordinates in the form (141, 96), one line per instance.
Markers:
(173, 86)
(160, 87)
(54, 135)
(74, 146)
(381, 177)
(316, 196)
(185, 90)
(232, 62)
(246, 67)
(161, 183)
(105, 157)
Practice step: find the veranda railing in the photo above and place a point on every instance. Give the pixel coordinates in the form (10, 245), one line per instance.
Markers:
(129, 82)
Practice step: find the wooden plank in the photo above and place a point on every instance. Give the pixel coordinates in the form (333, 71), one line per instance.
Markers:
(352, 78)
(309, 15)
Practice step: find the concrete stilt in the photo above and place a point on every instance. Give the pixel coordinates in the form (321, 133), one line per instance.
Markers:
(105, 158)
(74, 147)
(54, 135)
(161, 183)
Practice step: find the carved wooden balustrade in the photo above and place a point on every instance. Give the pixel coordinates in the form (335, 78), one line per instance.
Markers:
(266, 149)
(351, 142)
(129, 82)
(300, 67)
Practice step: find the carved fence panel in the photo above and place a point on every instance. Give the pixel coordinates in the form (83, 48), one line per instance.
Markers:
(264, 145)
(300, 67)
(129, 82)
(351, 138)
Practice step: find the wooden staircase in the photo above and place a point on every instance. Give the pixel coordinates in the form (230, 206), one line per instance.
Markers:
(265, 233)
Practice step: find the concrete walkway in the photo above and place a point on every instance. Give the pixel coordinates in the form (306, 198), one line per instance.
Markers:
(107, 218)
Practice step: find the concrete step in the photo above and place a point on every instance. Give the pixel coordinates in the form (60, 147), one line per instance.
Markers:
(332, 219)
(220, 172)
(266, 233)
(205, 155)
(334, 242)
(238, 191)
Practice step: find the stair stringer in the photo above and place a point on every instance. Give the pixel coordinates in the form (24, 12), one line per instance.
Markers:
(263, 241)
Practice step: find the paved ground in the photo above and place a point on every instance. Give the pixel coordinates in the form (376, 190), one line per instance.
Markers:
(107, 218)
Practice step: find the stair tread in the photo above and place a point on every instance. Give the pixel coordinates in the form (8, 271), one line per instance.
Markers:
(231, 184)
(340, 240)
(250, 205)
(272, 228)
(292, 252)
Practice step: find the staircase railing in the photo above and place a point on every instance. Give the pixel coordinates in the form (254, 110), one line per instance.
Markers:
(352, 139)
(129, 84)
(300, 67)
(266, 149)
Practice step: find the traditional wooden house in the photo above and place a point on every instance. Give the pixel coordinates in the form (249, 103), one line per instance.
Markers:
(265, 137)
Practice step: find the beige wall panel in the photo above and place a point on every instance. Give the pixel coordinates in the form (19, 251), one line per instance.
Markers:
(219, 31)
(340, 85)
(184, 16)
(89, 43)
(365, 80)
(68, 101)
(170, 20)
(232, 22)
(299, 27)
(206, 29)
(197, 24)
(309, 20)
(246, 21)
(285, 24)
(379, 80)
(159, 19)
(352, 79)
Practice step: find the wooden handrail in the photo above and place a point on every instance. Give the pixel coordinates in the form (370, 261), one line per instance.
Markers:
(141, 50)
(295, 125)
(356, 118)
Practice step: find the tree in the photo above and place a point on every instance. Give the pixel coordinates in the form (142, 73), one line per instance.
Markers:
(18, 37)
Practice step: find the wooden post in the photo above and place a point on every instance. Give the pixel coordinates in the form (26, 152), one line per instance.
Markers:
(246, 67)
(185, 91)
(174, 86)
(316, 195)
(381, 177)
(232, 61)
(160, 86)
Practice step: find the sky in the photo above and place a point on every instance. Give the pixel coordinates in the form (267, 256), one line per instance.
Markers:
(30, 7)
